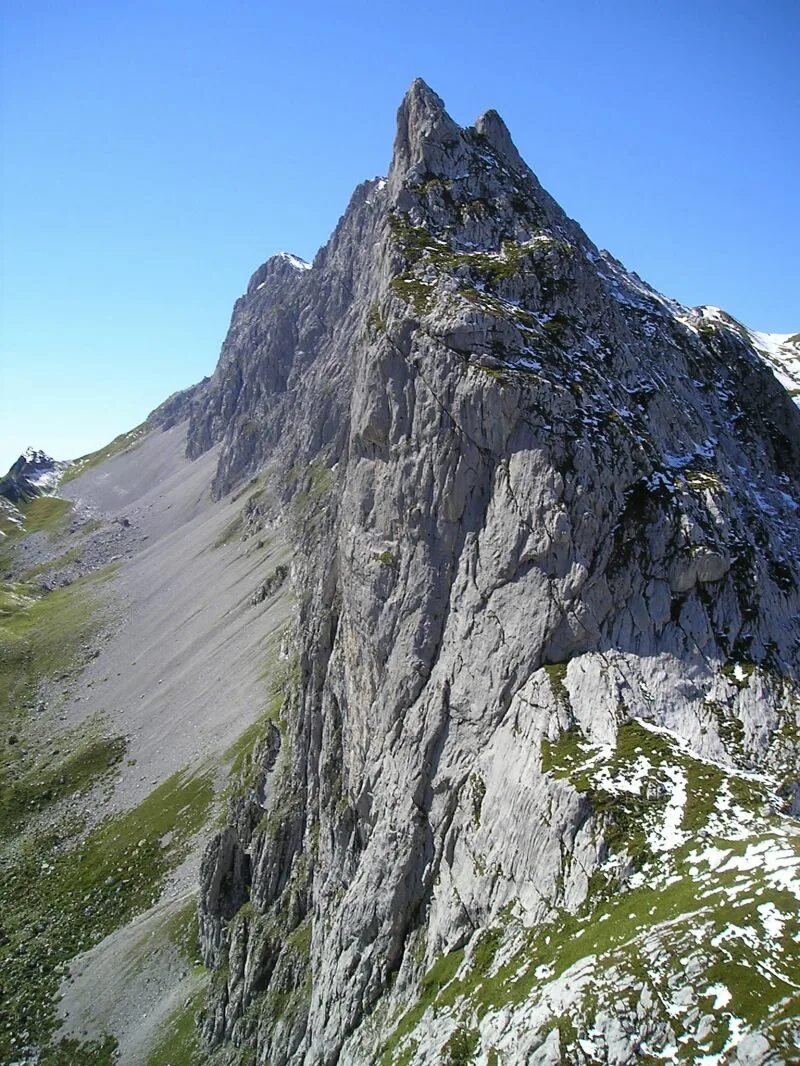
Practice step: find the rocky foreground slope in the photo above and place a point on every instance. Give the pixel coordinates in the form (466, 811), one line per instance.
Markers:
(526, 789)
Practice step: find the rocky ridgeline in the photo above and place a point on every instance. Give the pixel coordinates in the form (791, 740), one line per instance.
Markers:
(545, 520)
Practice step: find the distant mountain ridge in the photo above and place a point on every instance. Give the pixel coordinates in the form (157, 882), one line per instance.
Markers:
(33, 474)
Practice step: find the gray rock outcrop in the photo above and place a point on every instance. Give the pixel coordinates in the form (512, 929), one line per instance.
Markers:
(530, 497)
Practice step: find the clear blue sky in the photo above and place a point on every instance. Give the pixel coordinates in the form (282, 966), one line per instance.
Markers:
(154, 153)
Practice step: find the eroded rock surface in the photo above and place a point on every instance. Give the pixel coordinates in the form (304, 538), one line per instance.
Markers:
(530, 499)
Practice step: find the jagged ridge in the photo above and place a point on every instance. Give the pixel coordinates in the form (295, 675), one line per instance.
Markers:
(531, 499)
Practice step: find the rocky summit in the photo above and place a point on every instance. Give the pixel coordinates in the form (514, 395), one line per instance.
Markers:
(445, 680)
(33, 474)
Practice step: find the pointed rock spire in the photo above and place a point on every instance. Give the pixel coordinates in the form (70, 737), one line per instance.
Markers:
(423, 129)
(492, 127)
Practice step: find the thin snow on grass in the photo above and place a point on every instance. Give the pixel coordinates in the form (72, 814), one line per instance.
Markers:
(619, 783)
(669, 835)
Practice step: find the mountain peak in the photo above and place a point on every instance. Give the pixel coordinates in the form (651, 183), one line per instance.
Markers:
(274, 269)
(294, 260)
(491, 126)
(36, 455)
(422, 121)
(421, 93)
(34, 473)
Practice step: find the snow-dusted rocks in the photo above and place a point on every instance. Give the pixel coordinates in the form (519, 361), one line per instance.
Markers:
(780, 351)
(34, 474)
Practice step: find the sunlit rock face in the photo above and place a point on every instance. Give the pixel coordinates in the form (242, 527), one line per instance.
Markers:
(531, 793)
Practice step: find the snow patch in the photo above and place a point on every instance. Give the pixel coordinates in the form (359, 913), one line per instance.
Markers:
(721, 994)
(772, 920)
(669, 835)
(294, 260)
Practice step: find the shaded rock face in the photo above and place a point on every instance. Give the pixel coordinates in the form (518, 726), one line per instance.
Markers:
(284, 377)
(33, 474)
(530, 496)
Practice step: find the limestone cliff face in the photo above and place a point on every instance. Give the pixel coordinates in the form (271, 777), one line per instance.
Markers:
(531, 499)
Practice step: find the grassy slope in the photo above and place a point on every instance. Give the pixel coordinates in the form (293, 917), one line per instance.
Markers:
(46, 514)
(711, 915)
(63, 888)
(42, 635)
(63, 885)
(62, 891)
(123, 443)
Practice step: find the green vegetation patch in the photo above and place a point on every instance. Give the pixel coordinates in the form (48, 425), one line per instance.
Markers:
(8, 527)
(33, 782)
(71, 1052)
(179, 1038)
(557, 676)
(376, 323)
(232, 531)
(420, 244)
(500, 376)
(624, 815)
(739, 673)
(43, 636)
(235, 527)
(636, 938)
(42, 514)
(461, 1047)
(125, 442)
(483, 269)
(61, 892)
(254, 488)
(181, 929)
(283, 950)
(243, 756)
(316, 479)
(46, 514)
(478, 786)
(420, 294)
(715, 889)
(15, 596)
(314, 483)
(432, 989)
(557, 325)
(61, 562)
